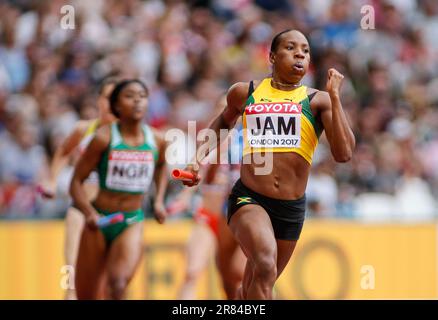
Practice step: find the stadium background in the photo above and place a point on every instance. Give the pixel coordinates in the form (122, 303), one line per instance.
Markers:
(378, 210)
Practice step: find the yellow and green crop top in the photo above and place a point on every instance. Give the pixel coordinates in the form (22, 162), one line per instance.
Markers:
(279, 121)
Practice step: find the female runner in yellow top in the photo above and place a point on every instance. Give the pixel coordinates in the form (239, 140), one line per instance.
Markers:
(282, 119)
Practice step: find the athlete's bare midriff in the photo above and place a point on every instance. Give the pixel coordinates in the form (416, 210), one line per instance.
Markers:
(118, 201)
(286, 181)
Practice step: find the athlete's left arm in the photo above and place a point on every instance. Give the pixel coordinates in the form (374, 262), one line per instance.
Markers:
(160, 178)
(334, 120)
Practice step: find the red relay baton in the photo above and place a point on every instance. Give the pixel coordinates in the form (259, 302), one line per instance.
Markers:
(183, 175)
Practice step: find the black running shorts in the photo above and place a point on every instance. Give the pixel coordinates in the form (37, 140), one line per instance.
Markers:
(287, 216)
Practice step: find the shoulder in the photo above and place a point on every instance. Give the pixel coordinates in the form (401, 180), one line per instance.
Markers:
(161, 144)
(321, 99)
(238, 93)
(158, 136)
(236, 97)
(241, 89)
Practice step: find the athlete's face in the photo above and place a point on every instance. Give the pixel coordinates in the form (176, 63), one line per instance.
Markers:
(133, 102)
(292, 57)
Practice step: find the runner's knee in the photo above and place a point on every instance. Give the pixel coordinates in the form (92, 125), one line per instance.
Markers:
(265, 266)
(117, 286)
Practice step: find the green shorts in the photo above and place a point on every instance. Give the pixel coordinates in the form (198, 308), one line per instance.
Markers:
(113, 231)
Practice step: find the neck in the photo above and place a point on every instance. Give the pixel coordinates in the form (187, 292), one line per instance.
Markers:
(130, 127)
(281, 84)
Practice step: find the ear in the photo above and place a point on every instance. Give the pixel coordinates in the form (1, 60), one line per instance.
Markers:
(272, 57)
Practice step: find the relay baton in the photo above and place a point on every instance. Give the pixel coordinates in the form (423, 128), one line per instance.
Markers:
(110, 219)
(183, 175)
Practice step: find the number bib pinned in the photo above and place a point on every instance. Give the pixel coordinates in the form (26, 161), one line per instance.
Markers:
(273, 125)
(130, 171)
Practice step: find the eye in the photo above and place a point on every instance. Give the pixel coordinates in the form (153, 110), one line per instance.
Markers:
(289, 48)
(306, 50)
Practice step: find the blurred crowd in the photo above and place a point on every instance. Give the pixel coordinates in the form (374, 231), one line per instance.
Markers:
(190, 52)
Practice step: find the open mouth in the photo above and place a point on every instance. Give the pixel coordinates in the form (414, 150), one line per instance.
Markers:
(299, 66)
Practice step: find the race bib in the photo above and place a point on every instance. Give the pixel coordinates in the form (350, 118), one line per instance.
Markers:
(273, 125)
(130, 171)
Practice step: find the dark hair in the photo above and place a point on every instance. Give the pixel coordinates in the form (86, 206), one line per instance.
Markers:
(116, 92)
(276, 40)
(106, 82)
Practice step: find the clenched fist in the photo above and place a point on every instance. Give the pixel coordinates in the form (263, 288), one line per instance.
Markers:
(334, 81)
(160, 212)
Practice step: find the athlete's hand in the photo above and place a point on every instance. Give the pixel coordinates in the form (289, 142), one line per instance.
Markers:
(91, 220)
(160, 212)
(193, 168)
(334, 82)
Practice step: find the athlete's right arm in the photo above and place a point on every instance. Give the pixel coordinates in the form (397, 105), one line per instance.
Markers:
(232, 105)
(86, 164)
(62, 154)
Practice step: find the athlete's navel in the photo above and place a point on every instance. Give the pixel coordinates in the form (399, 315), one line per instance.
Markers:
(276, 181)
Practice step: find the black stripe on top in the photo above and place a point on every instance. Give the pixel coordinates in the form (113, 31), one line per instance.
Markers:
(312, 95)
(250, 89)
